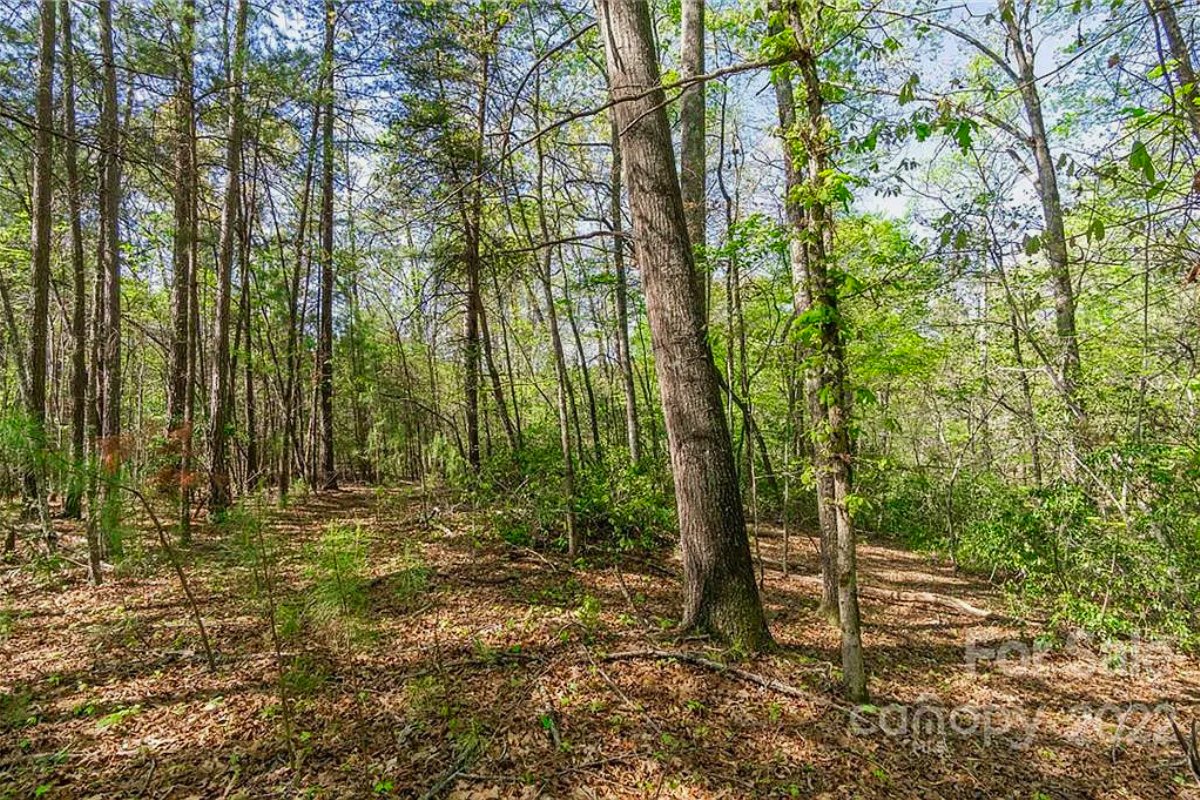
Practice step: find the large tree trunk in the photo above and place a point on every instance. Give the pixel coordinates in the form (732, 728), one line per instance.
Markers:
(325, 338)
(79, 378)
(693, 173)
(720, 593)
(620, 292)
(799, 247)
(1054, 238)
(109, 268)
(180, 389)
(1181, 54)
(220, 486)
(291, 445)
(35, 477)
(832, 438)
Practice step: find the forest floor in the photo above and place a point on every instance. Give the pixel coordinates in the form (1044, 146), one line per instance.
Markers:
(472, 668)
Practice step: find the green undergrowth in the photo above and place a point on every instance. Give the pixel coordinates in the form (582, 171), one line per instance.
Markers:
(1086, 553)
(617, 504)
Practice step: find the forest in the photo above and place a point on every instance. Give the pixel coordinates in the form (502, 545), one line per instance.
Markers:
(599, 398)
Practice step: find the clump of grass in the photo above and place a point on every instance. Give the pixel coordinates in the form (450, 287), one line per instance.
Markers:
(412, 579)
(304, 677)
(8, 619)
(117, 717)
(15, 710)
(337, 569)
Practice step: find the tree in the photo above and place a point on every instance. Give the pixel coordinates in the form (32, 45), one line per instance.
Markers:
(79, 377)
(39, 327)
(801, 248)
(1054, 240)
(325, 335)
(809, 200)
(621, 299)
(1163, 12)
(220, 418)
(720, 593)
(108, 334)
(693, 172)
(181, 391)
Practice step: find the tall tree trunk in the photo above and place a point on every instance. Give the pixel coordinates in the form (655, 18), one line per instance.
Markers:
(832, 436)
(325, 338)
(1054, 238)
(109, 262)
(584, 370)
(472, 222)
(1181, 54)
(560, 360)
(720, 593)
(291, 444)
(508, 363)
(620, 291)
(180, 387)
(246, 349)
(485, 336)
(36, 475)
(79, 379)
(693, 173)
(798, 248)
(220, 419)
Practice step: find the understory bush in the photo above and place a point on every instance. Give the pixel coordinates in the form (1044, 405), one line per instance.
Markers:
(616, 503)
(1115, 552)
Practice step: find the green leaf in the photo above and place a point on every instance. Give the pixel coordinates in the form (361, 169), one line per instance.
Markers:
(962, 135)
(1139, 159)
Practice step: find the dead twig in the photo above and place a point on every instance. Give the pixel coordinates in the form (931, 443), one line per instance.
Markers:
(725, 669)
(1188, 744)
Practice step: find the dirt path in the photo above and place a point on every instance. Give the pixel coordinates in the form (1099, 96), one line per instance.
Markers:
(475, 669)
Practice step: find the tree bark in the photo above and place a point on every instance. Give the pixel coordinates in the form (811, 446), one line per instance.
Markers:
(1054, 238)
(620, 292)
(79, 379)
(325, 338)
(220, 419)
(720, 593)
(1164, 12)
(560, 360)
(109, 267)
(799, 251)
(291, 445)
(473, 219)
(832, 437)
(180, 388)
(494, 375)
(35, 477)
(693, 173)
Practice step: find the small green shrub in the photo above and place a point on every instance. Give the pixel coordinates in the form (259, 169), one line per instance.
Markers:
(304, 677)
(337, 566)
(1109, 565)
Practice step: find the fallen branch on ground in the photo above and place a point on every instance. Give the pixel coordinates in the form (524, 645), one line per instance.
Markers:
(1190, 749)
(917, 598)
(725, 669)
